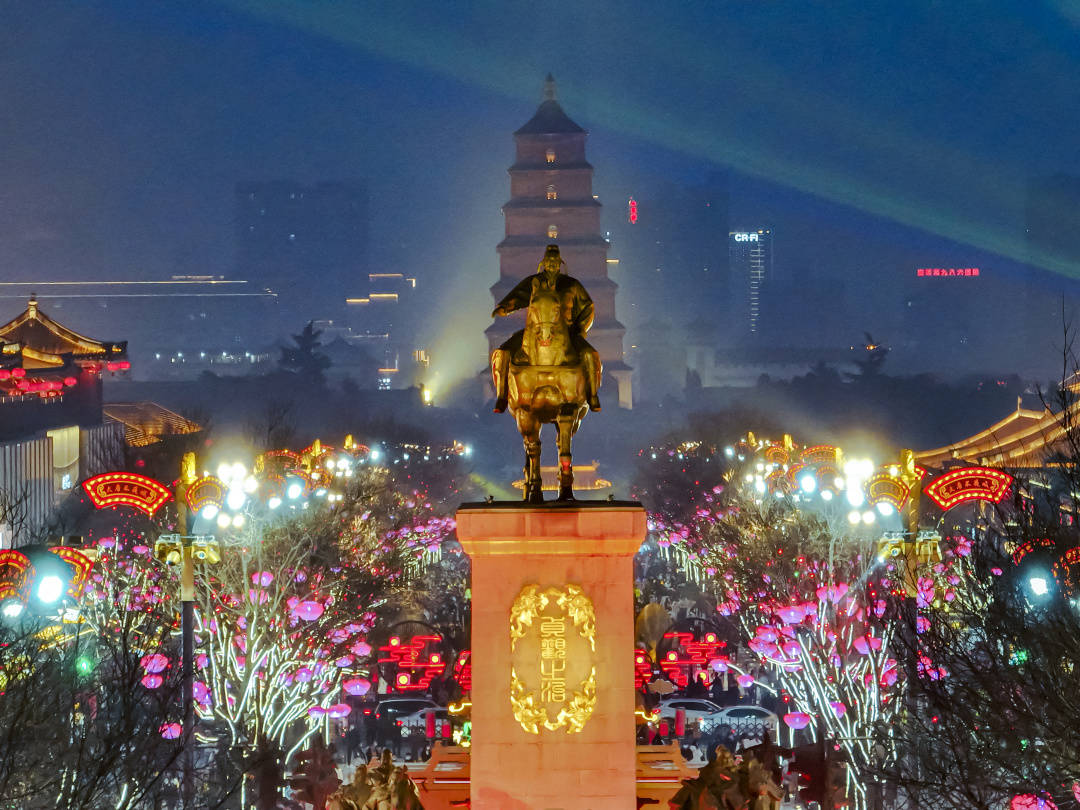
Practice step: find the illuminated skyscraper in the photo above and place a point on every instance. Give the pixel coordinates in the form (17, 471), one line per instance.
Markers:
(750, 257)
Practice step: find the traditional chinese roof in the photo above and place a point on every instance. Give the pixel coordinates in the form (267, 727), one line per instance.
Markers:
(549, 118)
(41, 342)
(147, 422)
(1024, 438)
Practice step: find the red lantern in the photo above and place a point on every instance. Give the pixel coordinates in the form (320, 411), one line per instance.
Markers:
(664, 728)
(446, 732)
(680, 722)
(429, 725)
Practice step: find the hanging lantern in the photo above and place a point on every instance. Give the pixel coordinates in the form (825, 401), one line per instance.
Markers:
(797, 720)
(357, 686)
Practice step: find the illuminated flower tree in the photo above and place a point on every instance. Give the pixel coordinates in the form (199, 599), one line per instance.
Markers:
(820, 614)
(282, 621)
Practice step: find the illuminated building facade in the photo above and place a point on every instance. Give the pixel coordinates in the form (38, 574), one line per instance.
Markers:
(751, 260)
(306, 243)
(382, 322)
(552, 201)
(52, 429)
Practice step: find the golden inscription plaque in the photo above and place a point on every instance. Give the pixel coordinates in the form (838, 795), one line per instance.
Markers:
(553, 658)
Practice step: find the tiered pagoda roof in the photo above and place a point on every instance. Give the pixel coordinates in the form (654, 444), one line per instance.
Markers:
(549, 118)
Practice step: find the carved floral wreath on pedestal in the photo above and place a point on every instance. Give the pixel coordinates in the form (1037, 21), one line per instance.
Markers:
(530, 602)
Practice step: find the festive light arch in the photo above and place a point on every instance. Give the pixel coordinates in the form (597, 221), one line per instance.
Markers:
(885, 488)
(206, 490)
(126, 489)
(969, 484)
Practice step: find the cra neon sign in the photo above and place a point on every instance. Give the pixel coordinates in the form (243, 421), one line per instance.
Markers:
(126, 489)
(969, 484)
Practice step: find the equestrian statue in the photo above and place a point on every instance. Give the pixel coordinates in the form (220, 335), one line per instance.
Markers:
(547, 373)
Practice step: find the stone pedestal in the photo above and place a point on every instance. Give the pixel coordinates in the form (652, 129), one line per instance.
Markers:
(513, 546)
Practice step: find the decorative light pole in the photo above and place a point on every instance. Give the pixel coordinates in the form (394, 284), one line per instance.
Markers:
(185, 549)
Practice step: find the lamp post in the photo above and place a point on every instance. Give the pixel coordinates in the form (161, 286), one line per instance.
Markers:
(184, 549)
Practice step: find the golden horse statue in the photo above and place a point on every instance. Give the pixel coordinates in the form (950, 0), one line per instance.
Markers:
(546, 385)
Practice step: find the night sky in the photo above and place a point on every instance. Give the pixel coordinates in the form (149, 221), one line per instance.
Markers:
(915, 125)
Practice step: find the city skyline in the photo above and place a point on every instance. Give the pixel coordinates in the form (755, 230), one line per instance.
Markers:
(281, 94)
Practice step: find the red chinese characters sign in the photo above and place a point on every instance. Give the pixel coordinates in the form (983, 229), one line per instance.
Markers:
(969, 484)
(126, 489)
(414, 663)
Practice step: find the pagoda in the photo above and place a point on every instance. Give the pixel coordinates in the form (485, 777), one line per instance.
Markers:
(552, 202)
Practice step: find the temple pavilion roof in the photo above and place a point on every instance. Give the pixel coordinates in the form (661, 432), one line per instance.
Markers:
(549, 118)
(34, 340)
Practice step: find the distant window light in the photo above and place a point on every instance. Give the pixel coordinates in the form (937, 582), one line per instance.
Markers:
(553, 232)
(552, 194)
(550, 155)
(292, 237)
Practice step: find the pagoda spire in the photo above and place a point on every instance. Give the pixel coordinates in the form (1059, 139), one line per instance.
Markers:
(549, 88)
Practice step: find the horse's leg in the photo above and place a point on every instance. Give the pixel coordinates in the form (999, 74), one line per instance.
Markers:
(565, 426)
(530, 436)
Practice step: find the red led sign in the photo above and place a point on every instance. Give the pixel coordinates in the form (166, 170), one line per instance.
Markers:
(126, 489)
(947, 272)
(633, 211)
(696, 655)
(415, 666)
(969, 484)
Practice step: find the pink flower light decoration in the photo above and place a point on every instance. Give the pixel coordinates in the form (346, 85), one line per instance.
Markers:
(357, 686)
(863, 644)
(339, 710)
(361, 648)
(200, 691)
(763, 647)
(922, 624)
(792, 614)
(170, 731)
(262, 578)
(304, 674)
(344, 661)
(797, 720)
(309, 610)
(316, 711)
(151, 681)
(719, 664)
(745, 680)
(831, 593)
(839, 708)
(766, 633)
(154, 663)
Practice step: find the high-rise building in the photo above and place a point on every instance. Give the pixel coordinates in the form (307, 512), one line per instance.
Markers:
(750, 257)
(381, 321)
(551, 201)
(305, 243)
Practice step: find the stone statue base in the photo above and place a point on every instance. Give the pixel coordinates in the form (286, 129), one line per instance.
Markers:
(551, 733)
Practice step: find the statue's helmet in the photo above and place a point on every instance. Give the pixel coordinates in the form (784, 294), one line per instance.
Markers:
(552, 260)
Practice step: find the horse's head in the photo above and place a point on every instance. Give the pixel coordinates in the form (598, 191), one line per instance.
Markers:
(547, 337)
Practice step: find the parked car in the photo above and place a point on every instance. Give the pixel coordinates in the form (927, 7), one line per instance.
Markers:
(748, 719)
(398, 710)
(698, 710)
